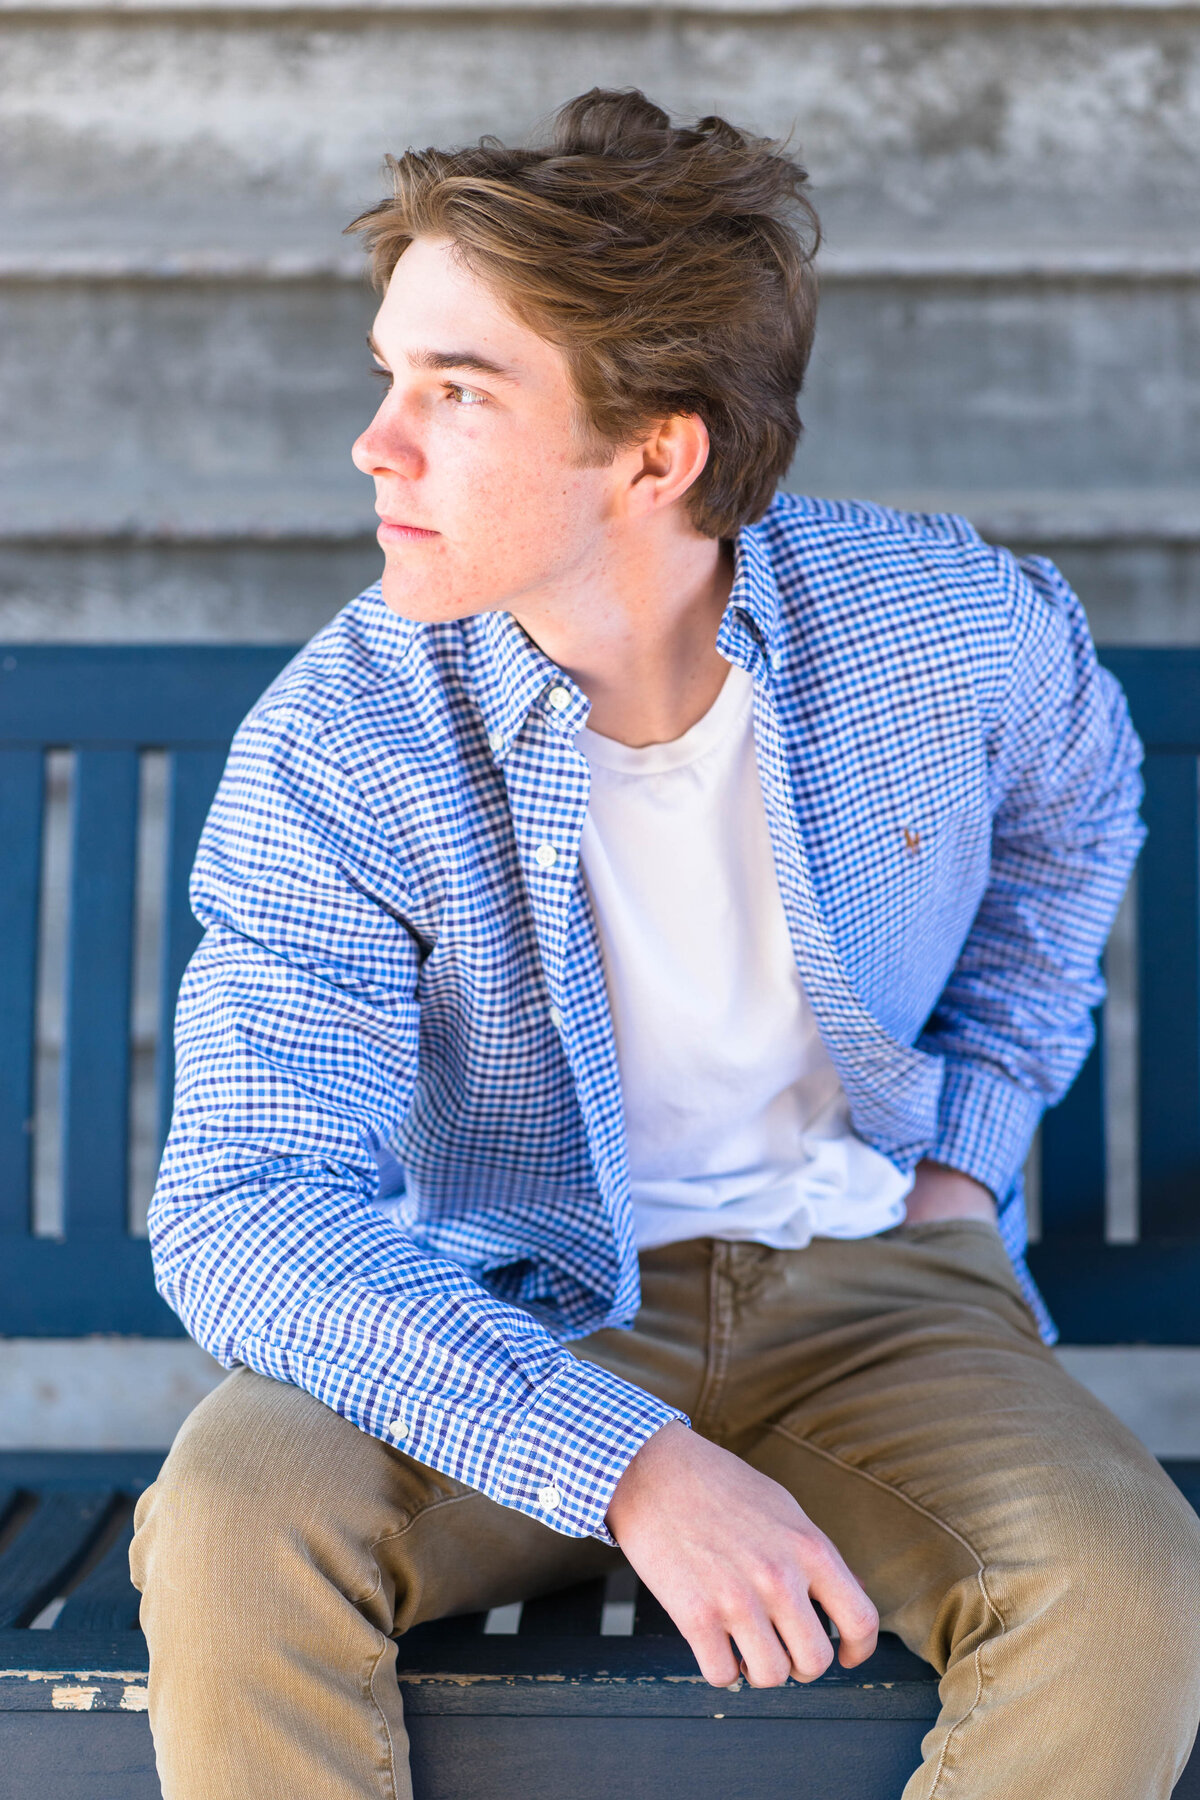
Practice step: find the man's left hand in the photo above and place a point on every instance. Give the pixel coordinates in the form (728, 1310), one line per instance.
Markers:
(939, 1192)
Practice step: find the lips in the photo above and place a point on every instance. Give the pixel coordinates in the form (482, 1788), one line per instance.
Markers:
(398, 531)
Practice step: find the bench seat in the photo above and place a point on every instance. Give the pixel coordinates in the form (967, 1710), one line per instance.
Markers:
(573, 1697)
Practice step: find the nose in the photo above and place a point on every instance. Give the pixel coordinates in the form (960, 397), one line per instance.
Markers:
(386, 447)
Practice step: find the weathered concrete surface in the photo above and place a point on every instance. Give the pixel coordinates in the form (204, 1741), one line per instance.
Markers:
(228, 409)
(135, 401)
(268, 593)
(1047, 154)
(1141, 592)
(213, 408)
(1010, 325)
(268, 129)
(99, 1393)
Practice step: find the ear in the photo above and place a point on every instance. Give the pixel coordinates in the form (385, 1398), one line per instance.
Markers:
(666, 464)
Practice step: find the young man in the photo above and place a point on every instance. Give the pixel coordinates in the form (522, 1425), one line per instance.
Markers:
(664, 905)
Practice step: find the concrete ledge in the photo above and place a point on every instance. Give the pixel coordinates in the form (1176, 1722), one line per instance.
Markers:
(736, 8)
(134, 1393)
(99, 1393)
(1092, 516)
(1155, 1391)
(1002, 261)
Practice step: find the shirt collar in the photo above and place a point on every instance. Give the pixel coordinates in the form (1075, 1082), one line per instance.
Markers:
(749, 633)
(510, 674)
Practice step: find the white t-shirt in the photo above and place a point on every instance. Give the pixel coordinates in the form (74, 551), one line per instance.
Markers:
(736, 1121)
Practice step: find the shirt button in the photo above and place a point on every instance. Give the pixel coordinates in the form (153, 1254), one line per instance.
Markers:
(549, 1498)
(545, 856)
(556, 1018)
(559, 699)
(497, 741)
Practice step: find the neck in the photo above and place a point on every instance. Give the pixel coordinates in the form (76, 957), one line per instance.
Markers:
(637, 632)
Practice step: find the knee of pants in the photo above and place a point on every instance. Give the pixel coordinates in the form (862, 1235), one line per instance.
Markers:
(245, 1497)
(1118, 1569)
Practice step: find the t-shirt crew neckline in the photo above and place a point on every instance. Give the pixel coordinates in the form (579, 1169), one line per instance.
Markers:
(724, 716)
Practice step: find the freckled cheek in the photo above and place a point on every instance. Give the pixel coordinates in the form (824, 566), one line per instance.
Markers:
(523, 513)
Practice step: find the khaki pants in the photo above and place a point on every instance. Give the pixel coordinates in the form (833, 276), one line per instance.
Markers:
(1005, 1524)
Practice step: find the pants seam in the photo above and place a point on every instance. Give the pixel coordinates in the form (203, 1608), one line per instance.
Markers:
(387, 1734)
(717, 1346)
(389, 1537)
(980, 1574)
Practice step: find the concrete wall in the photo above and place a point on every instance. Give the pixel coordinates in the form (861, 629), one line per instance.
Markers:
(1011, 321)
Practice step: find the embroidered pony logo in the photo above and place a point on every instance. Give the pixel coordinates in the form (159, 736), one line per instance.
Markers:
(912, 840)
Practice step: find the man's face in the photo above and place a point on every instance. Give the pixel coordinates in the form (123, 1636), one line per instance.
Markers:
(475, 451)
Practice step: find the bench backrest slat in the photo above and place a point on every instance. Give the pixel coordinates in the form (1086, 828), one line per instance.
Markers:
(21, 795)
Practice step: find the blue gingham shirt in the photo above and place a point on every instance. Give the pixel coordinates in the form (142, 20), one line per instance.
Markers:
(396, 1175)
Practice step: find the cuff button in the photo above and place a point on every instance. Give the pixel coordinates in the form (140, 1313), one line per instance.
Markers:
(549, 1498)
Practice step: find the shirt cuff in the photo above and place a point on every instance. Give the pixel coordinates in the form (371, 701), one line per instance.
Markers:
(559, 1461)
(985, 1125)
(574, 1444)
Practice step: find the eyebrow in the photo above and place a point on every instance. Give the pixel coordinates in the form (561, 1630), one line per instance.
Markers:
(449, 359)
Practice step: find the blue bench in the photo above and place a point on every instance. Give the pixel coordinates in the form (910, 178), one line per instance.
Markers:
(593, 1692)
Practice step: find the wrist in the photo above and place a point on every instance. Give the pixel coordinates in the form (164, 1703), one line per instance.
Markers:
(641, 1471)
(940, 1192)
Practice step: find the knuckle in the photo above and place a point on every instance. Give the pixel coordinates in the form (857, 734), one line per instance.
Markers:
(819, 1554)
(698, 1616)
(700, 1620)
(862, 1616)
(772, 1574)
(813, 1662)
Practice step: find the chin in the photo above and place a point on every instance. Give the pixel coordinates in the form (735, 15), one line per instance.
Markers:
(424, 602)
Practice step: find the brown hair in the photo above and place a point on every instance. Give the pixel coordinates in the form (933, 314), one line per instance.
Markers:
(672, 266)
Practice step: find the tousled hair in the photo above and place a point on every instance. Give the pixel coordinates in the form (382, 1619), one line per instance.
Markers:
(672, 265)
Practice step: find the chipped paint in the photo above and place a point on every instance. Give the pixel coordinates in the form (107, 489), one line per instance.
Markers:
(135, 1699)
(417, 1678)
(133, 1676)
(73, 1699)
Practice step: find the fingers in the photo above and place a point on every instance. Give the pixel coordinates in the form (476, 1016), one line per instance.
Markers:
(765, 1660)
(781, 1635)
(807, 1647)
(767, 1647)
(714, 1655)
(831, 1582)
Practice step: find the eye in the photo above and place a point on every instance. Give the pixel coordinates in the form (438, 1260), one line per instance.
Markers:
(465, 396)
(381, 374)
